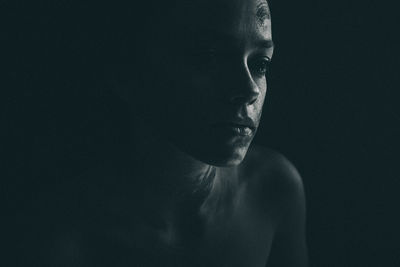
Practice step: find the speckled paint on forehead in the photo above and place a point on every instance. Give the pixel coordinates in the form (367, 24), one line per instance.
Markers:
(254, 18)
(263, 14)
(224, 14)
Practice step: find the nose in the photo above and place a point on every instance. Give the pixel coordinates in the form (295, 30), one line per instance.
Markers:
(245, 91)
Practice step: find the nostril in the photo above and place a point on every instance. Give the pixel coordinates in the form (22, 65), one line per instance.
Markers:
(244, 100)
(252, 101)
(245, 91)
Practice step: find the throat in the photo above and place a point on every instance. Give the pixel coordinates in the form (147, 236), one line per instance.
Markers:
(171, 172)
(178, 194)
(201, 183)
(185, 222)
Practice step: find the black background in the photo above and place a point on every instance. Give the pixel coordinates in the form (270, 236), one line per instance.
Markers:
(331, 109)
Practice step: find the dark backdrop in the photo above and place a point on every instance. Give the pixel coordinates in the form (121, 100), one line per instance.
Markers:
(331, 109)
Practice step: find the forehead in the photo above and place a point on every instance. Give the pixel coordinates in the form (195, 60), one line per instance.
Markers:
(232, 17)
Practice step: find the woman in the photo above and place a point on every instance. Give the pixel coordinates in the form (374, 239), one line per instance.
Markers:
(190, 191)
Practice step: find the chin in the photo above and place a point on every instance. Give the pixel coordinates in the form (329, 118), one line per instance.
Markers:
(221, 152)
(224, 157)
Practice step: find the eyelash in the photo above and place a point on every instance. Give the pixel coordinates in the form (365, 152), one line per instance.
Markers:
(258, 67)
(261, 66)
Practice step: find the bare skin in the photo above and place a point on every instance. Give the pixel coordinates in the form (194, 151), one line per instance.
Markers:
(249, 215)
(193, 193)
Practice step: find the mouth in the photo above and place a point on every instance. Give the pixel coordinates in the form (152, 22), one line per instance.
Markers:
(241, 129)
(236, 129)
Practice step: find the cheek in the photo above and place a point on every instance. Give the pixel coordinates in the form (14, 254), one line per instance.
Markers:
(195, 89)
(190, 98)
(186, 81)
(262, 87)
(258, 105)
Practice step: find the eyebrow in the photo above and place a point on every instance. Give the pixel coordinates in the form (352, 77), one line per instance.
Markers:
(226, 37)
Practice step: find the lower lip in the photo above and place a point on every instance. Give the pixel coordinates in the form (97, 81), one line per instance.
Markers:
(242, 131)
(236, 130)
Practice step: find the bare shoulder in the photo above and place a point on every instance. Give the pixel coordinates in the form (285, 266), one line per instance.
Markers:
(273, 179)
(269, 168)
(279, 192)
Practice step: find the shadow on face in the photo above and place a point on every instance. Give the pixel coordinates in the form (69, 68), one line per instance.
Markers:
(203, 76)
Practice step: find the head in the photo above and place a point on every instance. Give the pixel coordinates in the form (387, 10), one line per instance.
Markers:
(205, 77)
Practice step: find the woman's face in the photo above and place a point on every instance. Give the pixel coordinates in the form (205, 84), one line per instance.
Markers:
(210, 78)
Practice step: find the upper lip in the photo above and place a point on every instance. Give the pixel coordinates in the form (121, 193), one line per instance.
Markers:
(239, 122)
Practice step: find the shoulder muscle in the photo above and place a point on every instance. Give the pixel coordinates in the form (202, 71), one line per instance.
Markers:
(280, 191)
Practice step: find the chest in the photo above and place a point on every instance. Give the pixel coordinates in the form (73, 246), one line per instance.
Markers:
(243, 238)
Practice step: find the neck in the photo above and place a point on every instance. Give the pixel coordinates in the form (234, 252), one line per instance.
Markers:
(165, 170)
(162, 184)
(174, 184)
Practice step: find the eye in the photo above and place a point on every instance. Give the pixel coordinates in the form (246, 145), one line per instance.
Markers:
(260, 66)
